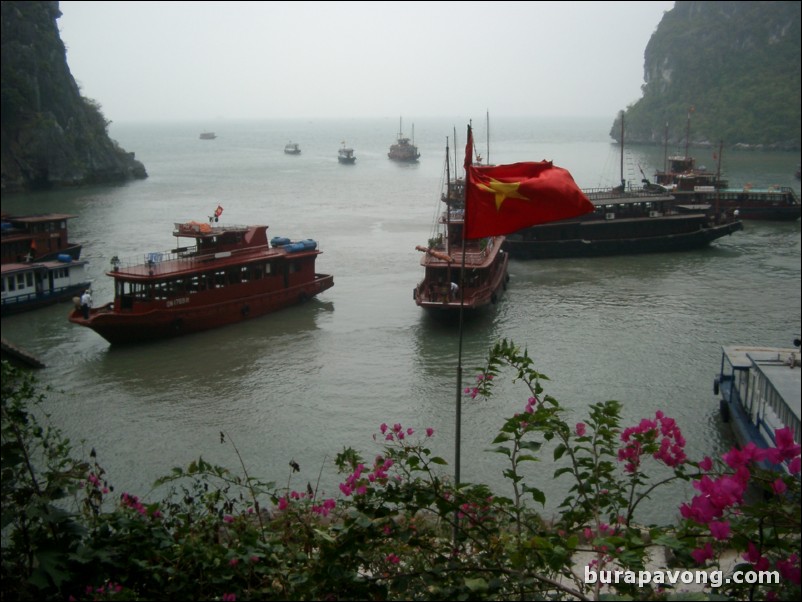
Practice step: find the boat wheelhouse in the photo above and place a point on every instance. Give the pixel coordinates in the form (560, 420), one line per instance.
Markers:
(759, 390)
(229, 275)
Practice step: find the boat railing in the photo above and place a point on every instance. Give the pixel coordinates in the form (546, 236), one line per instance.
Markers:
(154, 258)
(630, 193)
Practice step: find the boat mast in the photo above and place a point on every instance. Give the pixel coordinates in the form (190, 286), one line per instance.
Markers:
(665, 149)
(623, 183)
(718, 177)
(487, 159)
(448, 204)
(688, 132)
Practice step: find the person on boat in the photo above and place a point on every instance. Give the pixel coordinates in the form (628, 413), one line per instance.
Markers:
(454, 290)
(86, 303)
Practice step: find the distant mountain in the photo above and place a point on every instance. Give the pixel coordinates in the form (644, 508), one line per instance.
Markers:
(734, 66)
(51, 135)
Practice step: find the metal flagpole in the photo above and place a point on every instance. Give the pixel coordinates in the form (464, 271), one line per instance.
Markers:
(458, 416)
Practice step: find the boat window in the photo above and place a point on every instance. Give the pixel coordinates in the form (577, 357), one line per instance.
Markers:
(11, 285)
(20, 280)
(245, 273)
(219, 279)
(29, 279)
(268, 268)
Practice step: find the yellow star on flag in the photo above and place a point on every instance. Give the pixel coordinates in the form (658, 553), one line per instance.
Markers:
(502, 191)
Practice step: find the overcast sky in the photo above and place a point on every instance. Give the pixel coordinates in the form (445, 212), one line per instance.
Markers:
(246, 60)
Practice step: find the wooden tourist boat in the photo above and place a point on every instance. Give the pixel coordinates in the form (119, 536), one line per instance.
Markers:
(231, 274)
(759, 389)
(403, 150)
(36, 237)
(40, 266)
(449, 262)
(35, 284)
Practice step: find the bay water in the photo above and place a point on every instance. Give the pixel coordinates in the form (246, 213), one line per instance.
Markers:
(302, 384)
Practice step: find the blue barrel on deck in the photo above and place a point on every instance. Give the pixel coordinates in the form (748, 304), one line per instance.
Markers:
(279, 241)
(64, 258)
(294, 247)
(309, 243)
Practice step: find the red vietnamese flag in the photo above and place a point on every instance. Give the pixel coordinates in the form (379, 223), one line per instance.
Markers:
(502, 199)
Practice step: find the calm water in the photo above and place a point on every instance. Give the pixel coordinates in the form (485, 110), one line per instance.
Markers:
(306, 382)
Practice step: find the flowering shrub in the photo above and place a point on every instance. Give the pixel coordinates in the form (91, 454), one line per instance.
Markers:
(398, 527)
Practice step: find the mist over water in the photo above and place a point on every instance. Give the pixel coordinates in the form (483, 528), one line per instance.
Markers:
(303, 383)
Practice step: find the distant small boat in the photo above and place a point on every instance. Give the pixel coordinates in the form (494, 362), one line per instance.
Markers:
(346, 155)
(292, 148)
(208, 136)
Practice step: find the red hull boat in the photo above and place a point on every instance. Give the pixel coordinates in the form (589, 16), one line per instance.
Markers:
(230, 275)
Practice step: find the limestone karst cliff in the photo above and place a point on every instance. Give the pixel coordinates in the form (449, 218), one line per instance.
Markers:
(51, 136)
(733, 65)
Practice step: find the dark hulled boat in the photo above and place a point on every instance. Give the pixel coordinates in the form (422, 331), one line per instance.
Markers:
(231, 274)
(631, 222)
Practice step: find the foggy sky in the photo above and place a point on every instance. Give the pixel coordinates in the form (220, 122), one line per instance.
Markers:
(146, 61)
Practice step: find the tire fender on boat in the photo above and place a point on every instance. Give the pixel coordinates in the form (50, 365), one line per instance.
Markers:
(715, 386)
(245, 311)
(178, 324)
(493, 298)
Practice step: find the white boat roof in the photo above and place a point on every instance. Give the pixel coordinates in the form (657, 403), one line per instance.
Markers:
(774, 363)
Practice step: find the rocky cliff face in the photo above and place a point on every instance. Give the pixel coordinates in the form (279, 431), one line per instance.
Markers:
(51, 135)
(733, 66)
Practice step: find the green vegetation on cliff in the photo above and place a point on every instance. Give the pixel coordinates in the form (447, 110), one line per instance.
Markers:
(51, 135)
(735, 64)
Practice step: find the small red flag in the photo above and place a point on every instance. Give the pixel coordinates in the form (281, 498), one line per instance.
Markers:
(219, 211)
(502, 199)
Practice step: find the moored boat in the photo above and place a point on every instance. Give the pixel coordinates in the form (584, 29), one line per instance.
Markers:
(632, 222)
(42, 237)
(777, 203)
(231, 274)
(40, 266)
(458, 273)
(759, 392)
(403, 150)
(292, 148)
(208, 136)
(35, 284)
